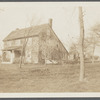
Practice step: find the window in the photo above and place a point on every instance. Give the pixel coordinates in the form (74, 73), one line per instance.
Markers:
(29, 41)
(8, 43)
(13, 42)
(22, 41)
(17, 42)
(5, 44)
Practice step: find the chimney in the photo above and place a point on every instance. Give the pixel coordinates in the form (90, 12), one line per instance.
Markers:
(50, 22)
(17, 28)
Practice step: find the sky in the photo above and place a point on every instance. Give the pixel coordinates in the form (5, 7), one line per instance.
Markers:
(65, 18)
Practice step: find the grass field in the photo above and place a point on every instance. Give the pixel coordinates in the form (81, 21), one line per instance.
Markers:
(48, 78)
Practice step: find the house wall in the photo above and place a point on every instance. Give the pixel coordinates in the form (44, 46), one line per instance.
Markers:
(58, 50)
(13, 43)
(46, 46)
(28, 50)
(14, 54)
(35, 49)
(7, 44)
(50, 47)
(31, 50)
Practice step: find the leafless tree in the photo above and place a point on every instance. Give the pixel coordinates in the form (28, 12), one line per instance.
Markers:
(26, 34)
(93, 39)
(91, 42)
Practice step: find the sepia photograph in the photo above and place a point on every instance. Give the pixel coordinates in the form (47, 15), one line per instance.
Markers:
(49, 47)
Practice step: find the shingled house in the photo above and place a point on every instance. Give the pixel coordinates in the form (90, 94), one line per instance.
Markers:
(42, 44)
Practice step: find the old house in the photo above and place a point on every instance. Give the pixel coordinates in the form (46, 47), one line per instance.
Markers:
(41, 44)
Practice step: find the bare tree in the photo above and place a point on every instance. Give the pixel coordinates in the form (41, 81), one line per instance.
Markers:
(34, 20)
(26, 34)
(24, 46)
(91, 42)
(93, 39)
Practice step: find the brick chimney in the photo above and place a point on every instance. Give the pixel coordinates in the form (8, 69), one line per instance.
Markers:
(50, 22)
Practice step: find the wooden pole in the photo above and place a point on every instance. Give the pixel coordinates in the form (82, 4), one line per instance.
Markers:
(82, 70)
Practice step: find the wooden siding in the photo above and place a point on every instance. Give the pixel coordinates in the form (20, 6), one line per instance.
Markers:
(45, 46)
(50, 48)
(35, 49)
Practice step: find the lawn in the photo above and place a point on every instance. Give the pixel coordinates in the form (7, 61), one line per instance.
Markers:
(48, 78)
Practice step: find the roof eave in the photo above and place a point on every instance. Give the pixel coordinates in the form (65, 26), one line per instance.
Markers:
(19, 38)
(58, 39)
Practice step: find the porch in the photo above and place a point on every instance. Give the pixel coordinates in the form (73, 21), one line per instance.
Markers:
(11, 55)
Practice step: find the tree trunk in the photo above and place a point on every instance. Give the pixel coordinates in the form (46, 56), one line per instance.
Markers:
(93, 53)
(82, 70)
(21, 58)
(23, 52)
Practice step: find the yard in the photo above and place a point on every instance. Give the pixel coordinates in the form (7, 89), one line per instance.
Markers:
(48, 78)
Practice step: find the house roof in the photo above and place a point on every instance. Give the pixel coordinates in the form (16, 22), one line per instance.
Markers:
(12, 48)
(26, 32)
(29, 32)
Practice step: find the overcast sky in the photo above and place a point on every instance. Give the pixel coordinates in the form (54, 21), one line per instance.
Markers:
(64, 15)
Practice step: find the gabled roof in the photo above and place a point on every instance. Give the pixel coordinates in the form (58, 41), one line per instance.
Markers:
(12, 48)
(26, 32)
(58, 39)
(31, 31)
